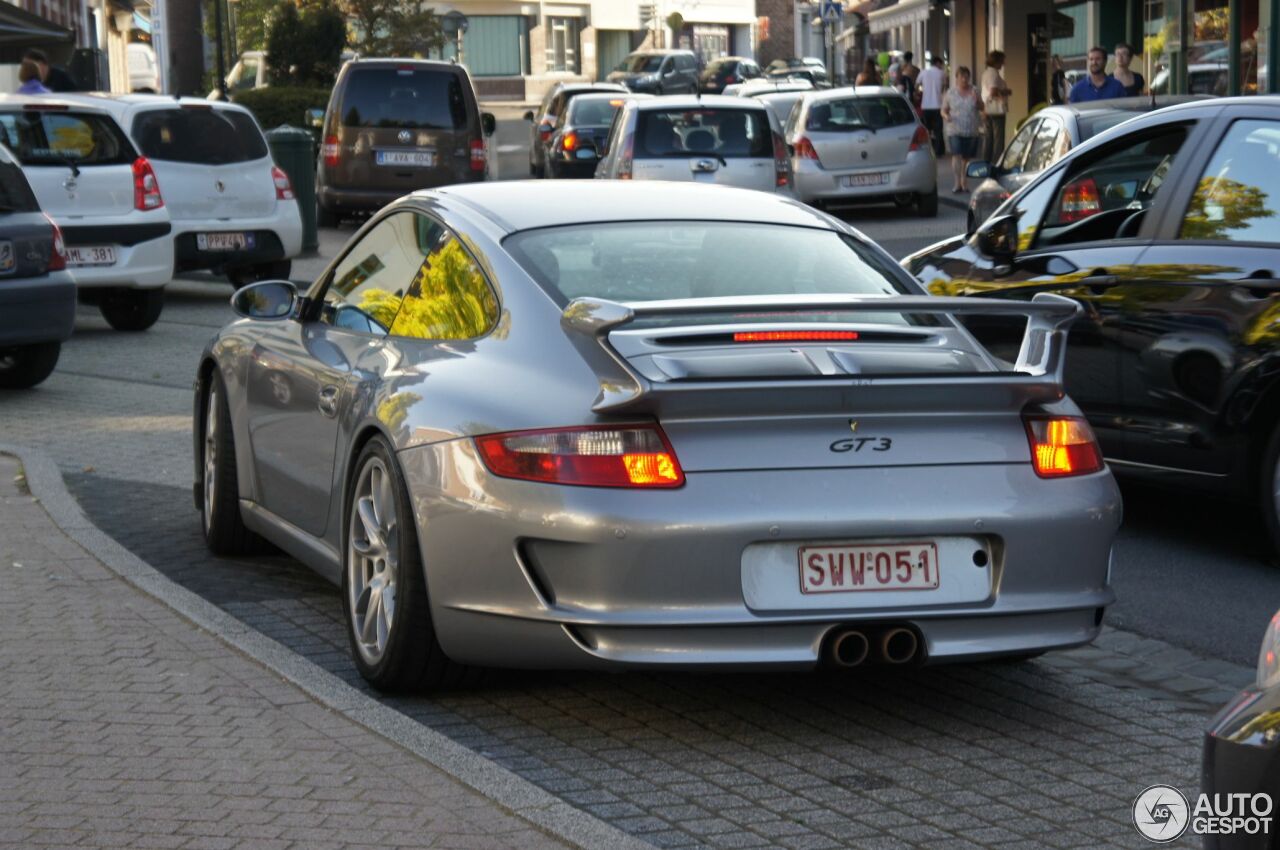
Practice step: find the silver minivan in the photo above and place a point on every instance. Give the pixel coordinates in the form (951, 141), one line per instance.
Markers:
(727, 141)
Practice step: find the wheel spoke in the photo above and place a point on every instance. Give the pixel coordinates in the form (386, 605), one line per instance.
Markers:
(365, 508)
(389, 604)
(384, 625)
(369, 630)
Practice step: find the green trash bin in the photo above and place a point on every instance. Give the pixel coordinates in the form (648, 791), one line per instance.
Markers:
(294, 151)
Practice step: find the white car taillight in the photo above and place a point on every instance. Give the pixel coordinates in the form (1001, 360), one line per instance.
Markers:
(625, 157)
(805, 150)
(591, 456)
(146, 188)
(284, 189)
(58, 254)
(920, 138)
(781, 165)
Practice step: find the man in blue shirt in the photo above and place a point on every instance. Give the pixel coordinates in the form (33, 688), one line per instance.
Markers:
(1098, 85)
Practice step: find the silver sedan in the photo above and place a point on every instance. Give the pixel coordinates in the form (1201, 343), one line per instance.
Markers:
(623, 424)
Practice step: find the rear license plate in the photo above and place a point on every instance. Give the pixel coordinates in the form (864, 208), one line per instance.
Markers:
(8, 260)
(91, 255)
(854, 568)
(416, 159)
(224, 241)
(867, 179)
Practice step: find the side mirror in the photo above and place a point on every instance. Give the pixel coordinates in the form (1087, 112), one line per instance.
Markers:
(267, 300)
(313, 117)
(998, 239)
(488, 124)
(587, 152)
(979, 169)
(528, 116)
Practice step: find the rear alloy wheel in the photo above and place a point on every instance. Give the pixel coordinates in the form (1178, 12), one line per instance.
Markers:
(384, 593)
(927, 205)
(131, 309)
(24, 366)
(224, 530)
(245, 275)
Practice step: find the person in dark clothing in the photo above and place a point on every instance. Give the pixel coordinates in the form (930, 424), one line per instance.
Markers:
(55, 79)
(1058, 88)
(907, 76)
(1131, 80)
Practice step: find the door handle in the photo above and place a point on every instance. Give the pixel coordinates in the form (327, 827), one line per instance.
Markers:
(1260, 284)
(1099, 282)
(328, 402)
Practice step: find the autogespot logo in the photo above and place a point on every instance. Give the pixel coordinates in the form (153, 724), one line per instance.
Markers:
(1161, 813)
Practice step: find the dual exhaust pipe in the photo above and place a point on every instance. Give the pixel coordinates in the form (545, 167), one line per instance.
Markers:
(893, 645)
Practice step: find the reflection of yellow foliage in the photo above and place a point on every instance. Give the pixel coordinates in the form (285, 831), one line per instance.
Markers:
(74, 140)
(449, 299)
(1265, 327)
(379, 305)
(395, 409)
(1220, 206)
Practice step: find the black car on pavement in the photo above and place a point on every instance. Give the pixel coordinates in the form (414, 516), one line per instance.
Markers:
(1167, 230)
(1044, 138)
(543, 122)
(726, 71)
(580, 132)
(37, 295)
(658, 72)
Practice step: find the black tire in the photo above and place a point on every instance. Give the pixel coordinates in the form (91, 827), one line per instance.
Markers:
(927, 205)
(538, 171)
(245, 275)
(131, 309)
(969, 224)
(1268, 498)
(224, 530)
(24, 366)
(411, 660)
(327, 216)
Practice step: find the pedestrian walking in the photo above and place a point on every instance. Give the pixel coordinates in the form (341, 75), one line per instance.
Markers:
(1097, 84)
(995, 104)
(29, 79)
(1132, 81)
(930, 84)
(53, 77)
(870, 75)
(1058, 88)
(907, 75)
(962, 112)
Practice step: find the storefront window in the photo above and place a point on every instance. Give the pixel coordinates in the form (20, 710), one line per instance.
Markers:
(1162, 44)
(562, 44)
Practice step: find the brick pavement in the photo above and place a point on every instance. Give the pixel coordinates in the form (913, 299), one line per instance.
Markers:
(122, 725)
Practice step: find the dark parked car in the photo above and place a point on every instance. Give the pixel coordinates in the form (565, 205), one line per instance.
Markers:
(580, 134)
(726, 71)
(542, 124)
(1167, 230)
(37, 295)
(396, 125)
(658, 72)
(1045, 138)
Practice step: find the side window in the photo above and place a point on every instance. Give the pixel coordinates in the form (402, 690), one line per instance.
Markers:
(667, 65)
(1043, 146)
(1011, 162)
(1238, 196)
(557, 105)
(1030, 207)
(367, 285)
(449, 297)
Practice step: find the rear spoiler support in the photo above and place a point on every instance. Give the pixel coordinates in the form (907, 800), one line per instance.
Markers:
(588, 322)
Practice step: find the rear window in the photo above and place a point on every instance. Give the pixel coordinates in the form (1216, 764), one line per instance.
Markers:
(417, 98)
(727, 133)
(15, 192)
(39, 137)
(647, 261)
(1092, 125)
(640, 64)
(857, 113)
(593, 111)
(203, 136)
(722, 65)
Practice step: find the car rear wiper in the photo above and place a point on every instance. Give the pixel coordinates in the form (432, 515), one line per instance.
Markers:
(71, 163)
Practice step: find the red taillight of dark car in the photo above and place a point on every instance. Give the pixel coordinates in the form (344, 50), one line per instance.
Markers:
(331, 151)
(632, 456)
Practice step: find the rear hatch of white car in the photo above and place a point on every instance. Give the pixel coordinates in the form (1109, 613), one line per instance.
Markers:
(726, 146)
(861, 131)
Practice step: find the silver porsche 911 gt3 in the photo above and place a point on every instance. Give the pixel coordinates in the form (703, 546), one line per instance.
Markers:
(611, 424)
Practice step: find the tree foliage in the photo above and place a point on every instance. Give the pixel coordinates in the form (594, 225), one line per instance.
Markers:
(1221, 206)
(394, 27)
(304, 46)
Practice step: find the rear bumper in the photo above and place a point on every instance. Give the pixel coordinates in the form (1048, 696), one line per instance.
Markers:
(144, 252)
(533, 575)
(278, 237)
(36, 310)
(918, 175)
(572, 170)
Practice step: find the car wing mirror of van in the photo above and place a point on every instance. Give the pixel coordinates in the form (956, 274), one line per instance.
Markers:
(528, 116)
(488, 124)
(979, 169)
(997, 238)
(267, 300)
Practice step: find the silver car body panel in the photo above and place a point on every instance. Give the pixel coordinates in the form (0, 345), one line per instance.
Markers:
(522, 573)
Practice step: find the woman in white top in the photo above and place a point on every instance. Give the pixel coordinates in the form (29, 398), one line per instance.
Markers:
(962, 112)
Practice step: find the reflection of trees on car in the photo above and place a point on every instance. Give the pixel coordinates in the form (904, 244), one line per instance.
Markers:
(1220, 206)
(394, 410)
(380, 305)
(448, 299)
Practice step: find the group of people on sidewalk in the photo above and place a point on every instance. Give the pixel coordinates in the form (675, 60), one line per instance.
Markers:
(37, 76)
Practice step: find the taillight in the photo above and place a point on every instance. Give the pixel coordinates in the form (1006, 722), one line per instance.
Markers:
(1062, 446)
(58, 254)
(1079, 200)
(478, 155)
(805, 149)
(569, 141)
(781, 165)
(795, 336)
(591, 456)
(146, 189)
(625, 157)
(920, 139)
(331, 150)
(284, 189)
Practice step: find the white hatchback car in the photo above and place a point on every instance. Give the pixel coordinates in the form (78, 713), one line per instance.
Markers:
(232, 207)
(726, 141)
(104, 196)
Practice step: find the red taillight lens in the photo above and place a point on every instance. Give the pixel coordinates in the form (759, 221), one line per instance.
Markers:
(58, 255)
(569, 141)
(625, 157)
(592, 456)
(1079, 200)
(795, 336)
(331, 151)
(479, 156)
(920, 139)
(284, 189)
(781, 165)
(544, 130)
(806, 150)
(1062, 446)
(146, 188)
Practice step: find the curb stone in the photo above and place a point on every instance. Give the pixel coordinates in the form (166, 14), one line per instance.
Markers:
(521, 797)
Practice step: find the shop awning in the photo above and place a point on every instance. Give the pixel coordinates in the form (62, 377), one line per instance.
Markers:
(20, 30)
(900, 14)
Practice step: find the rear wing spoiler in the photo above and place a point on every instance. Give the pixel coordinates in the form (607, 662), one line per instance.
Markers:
(1041, 357)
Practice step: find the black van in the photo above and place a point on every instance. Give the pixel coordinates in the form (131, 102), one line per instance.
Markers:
(394, 126)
